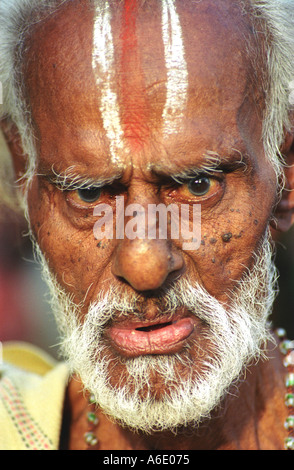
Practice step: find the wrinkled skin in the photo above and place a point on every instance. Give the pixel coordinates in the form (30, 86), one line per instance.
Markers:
(220, 115)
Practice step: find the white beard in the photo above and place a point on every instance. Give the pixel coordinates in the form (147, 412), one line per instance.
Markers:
(237, 335)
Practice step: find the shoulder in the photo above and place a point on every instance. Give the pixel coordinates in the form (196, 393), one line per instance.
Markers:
(32, 388)
(26, 357)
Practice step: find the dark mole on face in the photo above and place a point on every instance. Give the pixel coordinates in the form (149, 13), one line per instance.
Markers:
(100, 245)
(226, 237)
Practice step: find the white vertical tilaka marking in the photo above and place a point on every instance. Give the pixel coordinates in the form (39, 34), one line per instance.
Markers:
(104, 69)
(177, 73)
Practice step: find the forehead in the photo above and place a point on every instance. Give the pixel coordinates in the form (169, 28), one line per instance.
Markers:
(119, 75)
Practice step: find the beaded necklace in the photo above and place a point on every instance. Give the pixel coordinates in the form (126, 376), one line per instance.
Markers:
(93, 421)
(287, 349)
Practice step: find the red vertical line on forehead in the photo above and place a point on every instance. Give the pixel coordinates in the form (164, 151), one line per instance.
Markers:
(134, 106)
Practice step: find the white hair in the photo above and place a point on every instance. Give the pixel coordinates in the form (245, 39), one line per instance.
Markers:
(273, 26)
(276, 19)
(235, 337)
(16, 19)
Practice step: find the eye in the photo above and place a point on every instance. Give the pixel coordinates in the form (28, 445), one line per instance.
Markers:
(204, 187)
(199, 186)
(89, 195)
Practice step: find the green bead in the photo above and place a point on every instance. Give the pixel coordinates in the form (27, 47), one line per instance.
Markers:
(289, 400)
(289, 423)
(92, 418)
(285, 346)
(289, 443)
(90, 438)
(290, 380)
(91, 399)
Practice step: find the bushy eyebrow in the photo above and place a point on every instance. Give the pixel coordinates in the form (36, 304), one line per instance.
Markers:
(70, 180)
(212, 162)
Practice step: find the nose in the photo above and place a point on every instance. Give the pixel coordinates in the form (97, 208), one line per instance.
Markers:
(146, 264)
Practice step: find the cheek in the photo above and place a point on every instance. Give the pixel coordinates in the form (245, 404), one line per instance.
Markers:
(227, 245)
(75, 257)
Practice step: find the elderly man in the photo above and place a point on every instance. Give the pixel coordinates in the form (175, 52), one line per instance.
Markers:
(127, 105)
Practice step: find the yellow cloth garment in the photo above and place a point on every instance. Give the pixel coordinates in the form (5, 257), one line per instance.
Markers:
(32, 388)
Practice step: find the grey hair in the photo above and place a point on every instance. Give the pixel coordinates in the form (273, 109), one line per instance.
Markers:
(16, 19)
(273, 25)
(276, 18)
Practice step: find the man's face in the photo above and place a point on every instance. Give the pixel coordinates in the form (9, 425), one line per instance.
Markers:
(156, 106)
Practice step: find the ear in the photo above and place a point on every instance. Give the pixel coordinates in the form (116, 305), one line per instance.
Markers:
(13, 142)
(284, 213)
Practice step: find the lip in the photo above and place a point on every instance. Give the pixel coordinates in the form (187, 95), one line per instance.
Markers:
(135, 339)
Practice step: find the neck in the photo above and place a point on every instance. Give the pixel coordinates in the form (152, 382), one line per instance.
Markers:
(245, 420)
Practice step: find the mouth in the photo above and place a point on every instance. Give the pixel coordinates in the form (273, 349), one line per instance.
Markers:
(134, 339)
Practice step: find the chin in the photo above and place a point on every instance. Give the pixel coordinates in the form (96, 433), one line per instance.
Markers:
(158, 392)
